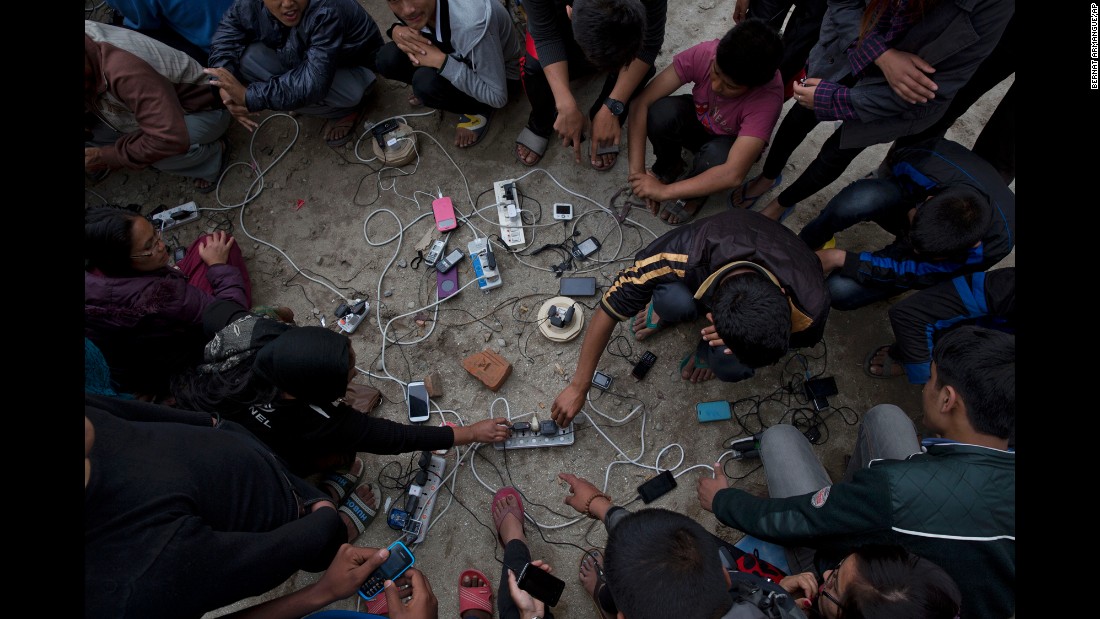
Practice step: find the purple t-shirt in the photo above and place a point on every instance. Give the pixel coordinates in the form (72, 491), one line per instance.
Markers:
(753, 113)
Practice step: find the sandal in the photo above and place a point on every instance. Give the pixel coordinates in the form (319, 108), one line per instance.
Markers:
(517, 510)
(606, 150)
(533, 142)
(748, 203)
(476, 123)
(649, 324)
(678, 208)
(221, 168)
(475, 597)
(360, 513)
(341, 484)
(891, 368)
(348, 122)
(595, 558)
(699, 364)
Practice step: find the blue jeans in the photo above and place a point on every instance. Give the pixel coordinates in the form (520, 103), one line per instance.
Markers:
(882, 201)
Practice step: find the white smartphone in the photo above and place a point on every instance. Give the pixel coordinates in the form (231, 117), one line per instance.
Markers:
(418, 402)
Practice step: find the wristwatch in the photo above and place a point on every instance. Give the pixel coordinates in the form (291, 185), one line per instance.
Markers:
(615, 106)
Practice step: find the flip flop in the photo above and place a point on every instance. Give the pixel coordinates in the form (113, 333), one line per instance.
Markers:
(478, 123)
(748, 203)
(534, 143)
(342, 484)
(601, 582)
(700, 364)
(888, 364)
(475, 598)
(517, 510)
(676, 207)
(606, 150)
(360, 513)
(351, 121)
(649, 324)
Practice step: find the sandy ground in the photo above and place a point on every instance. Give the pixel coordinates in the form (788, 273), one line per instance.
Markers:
(321, 226)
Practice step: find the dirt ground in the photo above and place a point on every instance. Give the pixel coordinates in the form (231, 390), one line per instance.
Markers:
(320, 227)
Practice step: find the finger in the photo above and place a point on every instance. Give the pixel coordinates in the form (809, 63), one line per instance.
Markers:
(393, 596)
(577, 149)
(418, 581)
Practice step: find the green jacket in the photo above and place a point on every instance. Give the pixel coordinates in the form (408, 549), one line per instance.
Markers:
(955, 505)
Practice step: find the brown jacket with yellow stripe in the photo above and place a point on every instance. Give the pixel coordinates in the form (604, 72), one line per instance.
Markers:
(701, 253)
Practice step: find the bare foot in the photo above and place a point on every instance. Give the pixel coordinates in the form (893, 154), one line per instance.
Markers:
(511, 527)
(202, 183)
(641, 331)
(464, 137)
(415, 101)
(880, 360)
(475, 581)
(696, 375)
(604, 161)
(773, 210)
(367, 495)
(528, 156)
(591, 579)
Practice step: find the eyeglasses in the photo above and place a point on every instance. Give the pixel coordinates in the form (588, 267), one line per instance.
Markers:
(152, 247)
(831, 583)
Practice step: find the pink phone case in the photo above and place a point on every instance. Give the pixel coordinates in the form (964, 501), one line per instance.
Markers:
(444, 214)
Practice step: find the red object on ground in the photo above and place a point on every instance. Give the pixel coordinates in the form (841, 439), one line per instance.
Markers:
(488, 367)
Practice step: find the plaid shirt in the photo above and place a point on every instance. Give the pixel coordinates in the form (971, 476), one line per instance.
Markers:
(833, 101)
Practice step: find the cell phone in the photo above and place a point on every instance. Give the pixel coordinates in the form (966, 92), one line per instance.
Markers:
(657, 487)
(400, 559)
(818, 391)
(444, 211)
(381, 129)
(601, 380)
(577, 286)
(586, 248)
(542, 585)
(713, 411)
(418, 402)
(447, 262)
(563, 210)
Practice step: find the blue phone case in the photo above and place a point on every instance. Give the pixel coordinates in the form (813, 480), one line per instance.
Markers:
(713, 411)
(375, 582)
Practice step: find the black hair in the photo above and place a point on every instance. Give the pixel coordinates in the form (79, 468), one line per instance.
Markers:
(230, 392)
(750, 53)
(753, 318)
(108, 239)
(980, 364)
(891, 583)
(661, 564)
(609, 32)
(949, 223)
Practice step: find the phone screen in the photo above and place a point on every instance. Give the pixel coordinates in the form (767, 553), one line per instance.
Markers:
(577, 286)
(563, 209)
(400, 559)
(418, 402)
(542, 585)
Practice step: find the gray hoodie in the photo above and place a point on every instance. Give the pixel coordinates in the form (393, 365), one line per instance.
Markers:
(487, 49)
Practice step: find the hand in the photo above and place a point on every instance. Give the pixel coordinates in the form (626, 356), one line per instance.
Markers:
(527, 605)
(234, 95)
(831, 259)
(420, 50)
(707, 487)
(570, 126)
(214, 249)
(92, 159)
(567, 404)
(420, 602)
(802, 585)
(804, 92)
(606, 131)
(740, 11)
(486, 431)
(581, 492)
(710, 334)
(645, 185)
(349, 569)
(905, 72)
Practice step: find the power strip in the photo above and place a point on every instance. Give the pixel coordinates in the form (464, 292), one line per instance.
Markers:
(511, 224)
(527, 439)
(417, 524)
(166, 220)
(486, 271)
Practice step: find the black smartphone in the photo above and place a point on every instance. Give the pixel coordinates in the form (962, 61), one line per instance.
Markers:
(586, 248)
(577, 286)
(818, 391)
(657, 487)
(418, 402)
(400, 559)
(541, 585)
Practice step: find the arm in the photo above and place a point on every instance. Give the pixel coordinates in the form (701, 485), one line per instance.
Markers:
(229, 40)
(742, 155)
(161, 132)
(309, 81)
(606, 128)
(485, 77)
(571, 399)
(226, 280)
(349, 569)
(662, 85)
(898, 266)
(585, 498)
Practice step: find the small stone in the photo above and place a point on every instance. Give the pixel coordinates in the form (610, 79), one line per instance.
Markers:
(410, 305)
(560, 370)
(402, 263)
(320, 260)
(488, 336)
(388, 292)
(420, 323)
(315, 311)
(523, 309)
(657, 427)
(501, 343)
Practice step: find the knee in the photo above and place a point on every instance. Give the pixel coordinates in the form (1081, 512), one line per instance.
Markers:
(859, 200)
(884, 414)
(388, 60)
(780, 438)
(425, 82)
(843, 293)
(715, 152)
(662, 116)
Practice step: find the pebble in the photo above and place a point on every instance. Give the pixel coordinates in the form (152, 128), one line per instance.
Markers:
(320, 260)
(501, 343)
(657, 427)
(488, 336)
(410, 305)
(402, 263)
(388, 293)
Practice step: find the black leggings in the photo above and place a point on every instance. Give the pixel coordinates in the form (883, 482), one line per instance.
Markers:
(830, 163)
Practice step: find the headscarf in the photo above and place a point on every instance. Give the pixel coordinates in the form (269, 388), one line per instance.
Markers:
(309, 363)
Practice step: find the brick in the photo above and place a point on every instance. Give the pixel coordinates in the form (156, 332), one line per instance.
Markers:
(434, 384)
(488, 367)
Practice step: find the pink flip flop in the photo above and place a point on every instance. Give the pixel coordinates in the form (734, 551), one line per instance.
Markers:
(475, 598)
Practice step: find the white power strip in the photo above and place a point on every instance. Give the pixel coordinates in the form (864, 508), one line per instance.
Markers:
(511, 225)
(417, 523)
(527, 439)
(166, 220)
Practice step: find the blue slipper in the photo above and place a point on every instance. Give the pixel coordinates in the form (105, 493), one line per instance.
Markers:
(748, 203)
(649, 324)
(700, 363)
